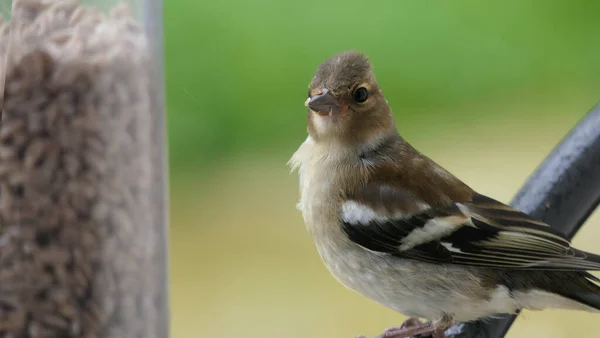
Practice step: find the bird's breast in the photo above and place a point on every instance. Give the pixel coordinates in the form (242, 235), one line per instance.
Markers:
(352, 265)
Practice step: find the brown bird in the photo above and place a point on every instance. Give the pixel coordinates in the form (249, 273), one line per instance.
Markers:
(394, 226)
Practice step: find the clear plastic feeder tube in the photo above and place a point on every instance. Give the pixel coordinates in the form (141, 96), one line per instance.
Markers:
(5, 8)
(83, 206)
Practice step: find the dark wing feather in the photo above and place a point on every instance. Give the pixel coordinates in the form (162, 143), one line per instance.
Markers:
(482, 232)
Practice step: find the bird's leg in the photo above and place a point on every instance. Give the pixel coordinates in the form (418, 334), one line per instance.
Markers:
(439, 333)
(413, 327)
(410, 322)
(441, 325)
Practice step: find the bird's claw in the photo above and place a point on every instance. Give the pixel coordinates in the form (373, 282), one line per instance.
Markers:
(412, 327)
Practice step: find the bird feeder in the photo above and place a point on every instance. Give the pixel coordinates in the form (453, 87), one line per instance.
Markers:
(83, 208)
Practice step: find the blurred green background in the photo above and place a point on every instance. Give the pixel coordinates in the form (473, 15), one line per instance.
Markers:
(485, 89)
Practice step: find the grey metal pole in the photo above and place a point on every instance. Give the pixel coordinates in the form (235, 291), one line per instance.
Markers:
(563, 191)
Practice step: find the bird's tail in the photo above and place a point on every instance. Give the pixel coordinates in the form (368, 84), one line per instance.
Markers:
(584, 290)
(571, 290)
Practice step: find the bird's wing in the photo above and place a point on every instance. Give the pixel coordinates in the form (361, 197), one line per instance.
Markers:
(481, 232)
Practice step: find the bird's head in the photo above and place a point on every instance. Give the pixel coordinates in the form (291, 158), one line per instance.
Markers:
(345, 103)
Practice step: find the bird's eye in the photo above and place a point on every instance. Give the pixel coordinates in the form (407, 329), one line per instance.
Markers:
(361, 95)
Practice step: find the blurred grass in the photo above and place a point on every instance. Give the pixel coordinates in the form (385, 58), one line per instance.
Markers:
(235, 69)
(486, 89)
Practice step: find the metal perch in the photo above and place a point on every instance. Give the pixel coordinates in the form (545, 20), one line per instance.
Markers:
(563, 191)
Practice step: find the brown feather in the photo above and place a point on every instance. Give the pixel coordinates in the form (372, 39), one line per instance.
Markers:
(401, 177)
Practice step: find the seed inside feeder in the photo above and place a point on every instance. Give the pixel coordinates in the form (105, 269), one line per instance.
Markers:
(80, 220)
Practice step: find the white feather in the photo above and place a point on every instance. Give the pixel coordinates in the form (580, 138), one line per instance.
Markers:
(322, 123)
(449, 246)
(432, 230)
(354, 212)
(539, 300)
(499, 301)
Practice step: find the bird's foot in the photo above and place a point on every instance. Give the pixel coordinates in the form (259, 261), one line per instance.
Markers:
(405, 332)
(412, 327)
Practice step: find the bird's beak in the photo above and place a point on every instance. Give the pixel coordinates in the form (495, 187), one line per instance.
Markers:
(324, 103)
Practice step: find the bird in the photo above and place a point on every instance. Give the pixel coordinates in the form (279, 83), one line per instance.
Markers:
(392, 225)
